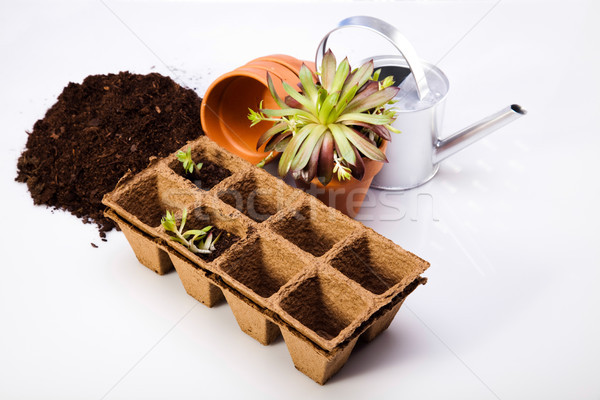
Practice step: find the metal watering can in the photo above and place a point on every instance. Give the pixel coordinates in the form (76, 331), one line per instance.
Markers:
(416, 153)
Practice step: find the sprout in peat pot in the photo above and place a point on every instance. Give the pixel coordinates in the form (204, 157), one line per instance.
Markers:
(199, 241)
(205, 175)
(331, 125)
(185, 157)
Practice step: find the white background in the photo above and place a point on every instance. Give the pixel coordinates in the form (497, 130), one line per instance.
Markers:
(510, 225)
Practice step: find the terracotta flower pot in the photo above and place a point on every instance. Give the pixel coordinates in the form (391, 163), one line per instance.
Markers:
(224, 110)
(292, 63)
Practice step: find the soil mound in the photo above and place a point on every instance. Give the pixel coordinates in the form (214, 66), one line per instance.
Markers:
(100, 129)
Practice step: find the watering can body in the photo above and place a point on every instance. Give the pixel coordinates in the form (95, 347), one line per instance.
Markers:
(415, 154)
(412, 151)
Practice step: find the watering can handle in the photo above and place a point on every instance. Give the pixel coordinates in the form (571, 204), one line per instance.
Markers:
(394, 36)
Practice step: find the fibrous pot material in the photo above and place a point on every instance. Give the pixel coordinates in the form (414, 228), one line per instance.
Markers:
(99, 130)
(293, 265)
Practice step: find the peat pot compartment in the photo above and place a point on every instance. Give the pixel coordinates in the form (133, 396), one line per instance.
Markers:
(375, 264)
(263, 265)
(258, 196)
(324, 305)
(149, 198)
(213, 169)
(314, 227)
(231, 228)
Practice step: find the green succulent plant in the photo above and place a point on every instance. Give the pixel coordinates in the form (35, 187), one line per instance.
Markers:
(185, 157)
(330, 125)
(199, 241)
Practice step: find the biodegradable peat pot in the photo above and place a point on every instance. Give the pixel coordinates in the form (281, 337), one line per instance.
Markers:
(149, 252)
(289, 264)
(346, 196)
(224, 109)
(250, 320)
(195, 281)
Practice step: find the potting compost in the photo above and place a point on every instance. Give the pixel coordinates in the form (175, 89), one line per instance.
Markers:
(97, 131)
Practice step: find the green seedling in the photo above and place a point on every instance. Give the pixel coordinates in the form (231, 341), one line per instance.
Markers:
(186, 159)
(199, 241)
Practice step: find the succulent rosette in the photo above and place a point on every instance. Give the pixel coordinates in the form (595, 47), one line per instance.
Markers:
(330, 125)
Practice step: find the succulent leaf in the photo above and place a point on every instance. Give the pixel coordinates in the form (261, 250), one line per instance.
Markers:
(290, 102)
(274, 94)
(342, 143)
(277, 128)
(379, 130)
(274, 142)
(358, 170)
(373, 100)
(360, 77)
(327, 106)
(340, 107)
(328, 70)
(340, 76)
(369, 88)
(282, 144)
(306, 150)
(299, 98)
(376, 74)
(292, 148)
(368, 118)
(326, 163)
(289, 112)
(322, 95)
(310, 171)
(363, 145)
(308, 86)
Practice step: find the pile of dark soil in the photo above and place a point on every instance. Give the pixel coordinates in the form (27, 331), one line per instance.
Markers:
(99, 130)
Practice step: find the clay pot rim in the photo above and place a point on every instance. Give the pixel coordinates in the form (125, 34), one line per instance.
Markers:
(253, 71)
(292, 63)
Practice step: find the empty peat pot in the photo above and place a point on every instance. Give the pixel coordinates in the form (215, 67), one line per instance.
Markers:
(416, 153)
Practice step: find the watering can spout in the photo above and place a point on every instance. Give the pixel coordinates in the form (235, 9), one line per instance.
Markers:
(444, 148)
(417, 152)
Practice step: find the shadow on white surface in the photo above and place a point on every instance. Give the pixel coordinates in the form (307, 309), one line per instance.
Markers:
(389, 350)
